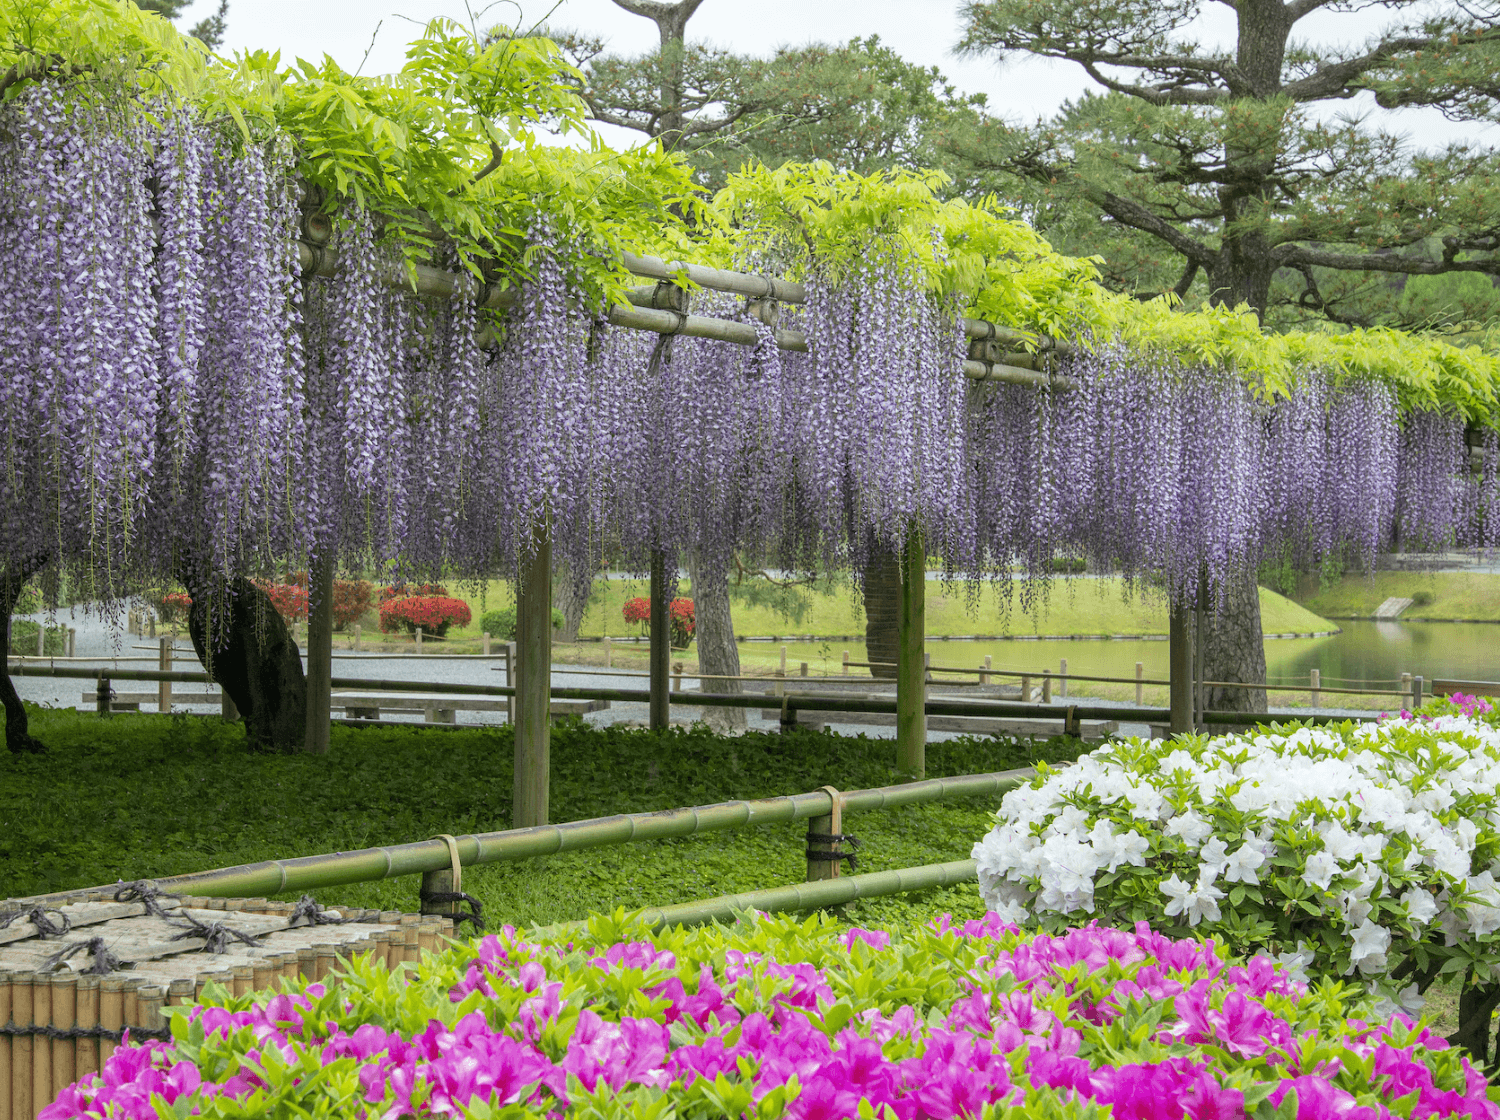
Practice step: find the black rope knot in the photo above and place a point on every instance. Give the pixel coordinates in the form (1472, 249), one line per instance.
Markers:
(308, 910)
(824, 847)
(474, 916)
(146, 893)
(37, 916)
(217, 937)
(104, 961)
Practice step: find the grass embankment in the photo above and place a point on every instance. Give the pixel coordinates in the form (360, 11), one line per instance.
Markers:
(144, 796)
(1439, 596)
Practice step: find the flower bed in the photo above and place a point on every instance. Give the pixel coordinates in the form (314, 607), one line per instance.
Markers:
(1350, 850)
(434, 614)
(777, 1018)
(680, 617)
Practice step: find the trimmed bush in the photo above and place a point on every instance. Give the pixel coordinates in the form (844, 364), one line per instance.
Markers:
(434, 614)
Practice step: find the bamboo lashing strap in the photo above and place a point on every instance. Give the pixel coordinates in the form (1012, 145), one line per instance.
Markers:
(825, 847)
(475, 915)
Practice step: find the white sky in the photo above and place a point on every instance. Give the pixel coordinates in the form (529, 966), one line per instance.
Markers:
(923, 31)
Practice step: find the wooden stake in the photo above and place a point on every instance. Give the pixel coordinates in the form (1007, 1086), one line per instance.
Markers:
(419, 639)
(357, 633)
(319, 655)
(1317, 679)
(846, 664)
(609, 653)
(485, 637)
(831, 825)
(984, 678)
(1140, 673)
(164, 663)
(911, 687)
(533, 684)
(1046, 686)
(661, 644)
(41, 1046)
(1025, 689)
(1062, 675)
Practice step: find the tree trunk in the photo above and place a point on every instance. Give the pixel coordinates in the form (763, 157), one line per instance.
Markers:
(570, 594)
(1234, 649)
(881, 585)
(671, 24)
(717, 651)
(17, 726)
(248, 650)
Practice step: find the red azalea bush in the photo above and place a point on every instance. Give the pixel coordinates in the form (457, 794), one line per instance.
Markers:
(413, 591)
(172, 605)
(680, 617)
(289, 599)
(433, 613)
(351, 598)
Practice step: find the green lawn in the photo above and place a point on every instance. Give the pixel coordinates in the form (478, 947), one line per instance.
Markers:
(150, 795)
(1447, 595)
(1075, 606)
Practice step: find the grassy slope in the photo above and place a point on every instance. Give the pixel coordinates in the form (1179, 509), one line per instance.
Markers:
(1455, 595)
(148, 795)
(1076, 606)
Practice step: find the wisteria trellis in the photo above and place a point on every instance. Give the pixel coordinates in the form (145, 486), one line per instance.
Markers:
(174, 394)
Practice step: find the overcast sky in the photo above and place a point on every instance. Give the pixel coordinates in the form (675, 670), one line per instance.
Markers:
(923, 31)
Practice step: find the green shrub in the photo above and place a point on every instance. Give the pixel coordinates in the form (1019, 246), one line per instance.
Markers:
(28, 602)
(501, 624)
(23, 639)
(1421, 598)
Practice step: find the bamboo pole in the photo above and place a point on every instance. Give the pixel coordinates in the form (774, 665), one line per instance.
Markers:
(1180, 672)
(88, 1017)
(533, 683)
(5, 1047)
(911, 684)
(809, 896)
(41, 1045)
(661, 644)
(308, 873)
(111, 1014)
(23, 1047)
(64, 1018)
(319, 653)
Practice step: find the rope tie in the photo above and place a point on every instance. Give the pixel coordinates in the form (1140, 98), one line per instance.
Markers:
(146, 893)
(104, 961)
(475, 915)
(217, 937)
(828, 850)
(308, 910)
(37, 916)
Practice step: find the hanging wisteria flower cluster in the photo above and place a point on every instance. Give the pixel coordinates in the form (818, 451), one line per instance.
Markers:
(781, 1019)
(1362, 849)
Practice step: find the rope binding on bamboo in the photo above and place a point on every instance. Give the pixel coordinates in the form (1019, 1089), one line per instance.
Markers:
(475, 914)
(37, 916)
(104, 961)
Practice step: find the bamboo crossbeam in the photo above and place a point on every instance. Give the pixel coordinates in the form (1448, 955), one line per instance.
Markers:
(341, 868)
(813, 896)
(717, 279)
(1017, 368)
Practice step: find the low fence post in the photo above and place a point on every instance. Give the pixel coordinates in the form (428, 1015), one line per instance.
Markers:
(1025, 689)
(1046, 686)
(101, 695)
(846, 664)
(356, 637)
(783, 661)
(822, 842)
(1140, 673)
(41, 638)
(677, 676)
(510, 681)
(984, 678)
(1062, 675)
(446, 881)
(164, 663)
(1405, 686)
(804, 668)
(485, 637)
(72, 641)
(153, 627)
(609, 653)
(419, 639)
(1317, 678)
(1416, 692)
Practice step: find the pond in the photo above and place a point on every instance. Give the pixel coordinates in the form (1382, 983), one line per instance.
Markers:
(1366, 654)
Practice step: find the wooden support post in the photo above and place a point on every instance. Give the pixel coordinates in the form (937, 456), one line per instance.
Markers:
(357, 633)
(153, 626)
(485, 638)
(319, 653)
(1317, 679)
(1025, 689)
(911, 686)
(677, 676)
(984, 678)
(448, 880)
(510, 682)
(661, 644)
(804, 668)
(1062, 677)
(41, 638)
(72, 641)
(783, 661)
(1046, 686)
(1180, 657)
(1405, 685)
(533, 684)
(609, 653)
(1140, 673)
(101, 695)
(845, 671)
(1416, 692)
(419, 639)
(818, 844)
(164, 663)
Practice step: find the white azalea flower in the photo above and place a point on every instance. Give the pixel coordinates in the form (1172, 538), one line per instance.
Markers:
(1368, 951)
(1197, 902)
(1243, 865)
(1191, 827)
(1320, 870)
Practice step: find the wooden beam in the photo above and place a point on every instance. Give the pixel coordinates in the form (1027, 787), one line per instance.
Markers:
(661, 644)
(911, 669)
(533, 684)
(319, 653)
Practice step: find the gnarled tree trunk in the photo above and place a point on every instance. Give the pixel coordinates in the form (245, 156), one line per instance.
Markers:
(245, 646)
(1234, 650)
(570, 594)
(717, 652)
(17, 726)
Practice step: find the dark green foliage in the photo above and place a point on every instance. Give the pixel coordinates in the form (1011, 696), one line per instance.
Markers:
(209, 30)
(149, 795)
(501, 624)
(23, 639)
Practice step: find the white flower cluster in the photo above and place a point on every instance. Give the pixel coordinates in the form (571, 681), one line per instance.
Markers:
(1388, 833)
